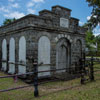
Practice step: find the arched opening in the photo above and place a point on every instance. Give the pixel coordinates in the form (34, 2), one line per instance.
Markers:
(4, 55)
(12, 56)
(44, 56)
(22, 55)
(63, 54)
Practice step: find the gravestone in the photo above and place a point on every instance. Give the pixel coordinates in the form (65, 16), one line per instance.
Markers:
(22, 55)
(12, 56)
(44, 56)
(4, 55)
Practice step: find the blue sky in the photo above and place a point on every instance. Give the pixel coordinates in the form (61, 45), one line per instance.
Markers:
(20, 8)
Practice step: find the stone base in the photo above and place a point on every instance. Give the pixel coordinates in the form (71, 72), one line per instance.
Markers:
(66, 76)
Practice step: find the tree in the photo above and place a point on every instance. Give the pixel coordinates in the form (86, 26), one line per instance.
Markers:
(90, 40)
(95, 14)
(97, 40)
(90, 37)
(7, 21)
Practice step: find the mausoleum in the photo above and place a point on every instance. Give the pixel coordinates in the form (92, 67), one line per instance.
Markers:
(53, 38)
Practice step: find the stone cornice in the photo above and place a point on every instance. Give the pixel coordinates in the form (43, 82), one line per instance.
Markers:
(42, 28)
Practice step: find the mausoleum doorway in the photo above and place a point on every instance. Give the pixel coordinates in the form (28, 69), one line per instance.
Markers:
(63, 54)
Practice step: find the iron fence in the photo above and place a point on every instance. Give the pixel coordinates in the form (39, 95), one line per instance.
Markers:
(81, 70)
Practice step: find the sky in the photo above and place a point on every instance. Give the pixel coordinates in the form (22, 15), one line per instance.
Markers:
(19, 8)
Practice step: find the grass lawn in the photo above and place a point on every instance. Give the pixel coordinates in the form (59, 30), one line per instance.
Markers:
(93, 57)
(53, 90)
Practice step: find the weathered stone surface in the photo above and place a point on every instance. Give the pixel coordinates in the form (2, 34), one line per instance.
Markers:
(47, 24)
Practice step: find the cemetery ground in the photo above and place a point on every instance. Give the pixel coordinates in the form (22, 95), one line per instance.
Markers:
(59, 90)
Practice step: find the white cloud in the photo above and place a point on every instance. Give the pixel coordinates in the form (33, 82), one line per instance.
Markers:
(3, 9)
(95, 16)
(88, 17)
(15, 5)
(96, 31)
(81, 23)
(32, 11)
(99, 24)
(30, 4)
(96, 34)
(36, 1)
(15, 14)
(11, 0)
(7, 9)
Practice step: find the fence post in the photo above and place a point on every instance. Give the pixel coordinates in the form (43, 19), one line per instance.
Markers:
(91, 70)
(80, 64)
(82, 71)
(82, 78)
(36, 93)
(15, 78)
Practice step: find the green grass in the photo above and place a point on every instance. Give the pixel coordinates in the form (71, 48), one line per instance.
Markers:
(93, 56)
(53, 90)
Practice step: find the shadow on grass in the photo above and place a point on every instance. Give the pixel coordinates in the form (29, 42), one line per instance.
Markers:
(57, 91)
(69, 88)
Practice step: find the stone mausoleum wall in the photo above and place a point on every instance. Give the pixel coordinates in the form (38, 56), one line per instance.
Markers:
(53, 38)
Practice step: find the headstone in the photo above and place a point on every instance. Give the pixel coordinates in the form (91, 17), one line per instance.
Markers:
(12, 56)
(44, 55)
(4, 55)
(22, 55)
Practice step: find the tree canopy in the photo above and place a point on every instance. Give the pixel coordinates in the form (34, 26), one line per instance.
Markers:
(7, 21)
(90, 40)
(95, 14)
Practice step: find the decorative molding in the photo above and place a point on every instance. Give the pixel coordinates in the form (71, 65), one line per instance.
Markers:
(63, 36)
